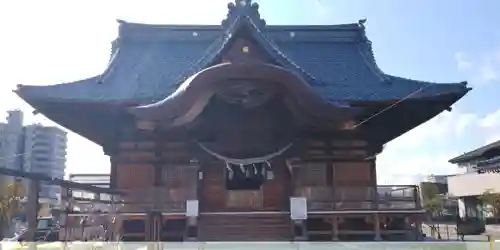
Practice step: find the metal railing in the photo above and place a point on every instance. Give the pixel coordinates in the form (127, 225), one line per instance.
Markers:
(319, 198)
(139, 200)
(361, 198)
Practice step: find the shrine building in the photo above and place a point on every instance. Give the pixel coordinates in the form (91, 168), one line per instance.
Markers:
(247, 131)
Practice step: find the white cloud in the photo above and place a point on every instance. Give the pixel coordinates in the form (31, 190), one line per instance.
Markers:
(491, 120)
(426, 149)
(71, 41)
(484, 69)
(392, 166)
(462, 62)
(493, 138)
(491, 124)
(322, 13)
(488, 70)
(407, 154)
(437, 130)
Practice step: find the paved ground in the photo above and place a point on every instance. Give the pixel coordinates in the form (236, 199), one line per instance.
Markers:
(440, 245)
(449, 232)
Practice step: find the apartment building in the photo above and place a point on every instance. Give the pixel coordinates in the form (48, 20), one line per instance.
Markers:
(482, 174)
(482, 167)
(11, 142)
(33, 148)
(45, 152)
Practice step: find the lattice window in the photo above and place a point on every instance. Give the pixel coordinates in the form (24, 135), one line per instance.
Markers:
(176, 176)
(311, 174)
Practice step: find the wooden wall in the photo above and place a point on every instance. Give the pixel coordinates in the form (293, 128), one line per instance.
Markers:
(213, 190)
(277, 191)
(131, 176)
(337, 185)
(334, 168)
(154, 171)
(335, 174)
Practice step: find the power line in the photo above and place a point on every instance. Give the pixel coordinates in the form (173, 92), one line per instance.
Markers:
(392, 105)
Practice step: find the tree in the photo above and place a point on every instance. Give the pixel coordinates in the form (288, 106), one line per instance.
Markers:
(492, 199)
(434, 206)
(11, 195)
(433, 203)
(431, 199)
(429, 190)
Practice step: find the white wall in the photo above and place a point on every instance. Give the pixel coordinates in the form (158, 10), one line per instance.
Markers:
(472, 184)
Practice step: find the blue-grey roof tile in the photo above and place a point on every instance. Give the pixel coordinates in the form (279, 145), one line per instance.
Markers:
(151, 61)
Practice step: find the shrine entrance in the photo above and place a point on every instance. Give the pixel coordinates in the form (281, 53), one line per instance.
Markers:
(246, 177)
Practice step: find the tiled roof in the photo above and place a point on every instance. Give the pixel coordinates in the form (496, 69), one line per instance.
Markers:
(489, 163)
(150, 61)
(476, 153)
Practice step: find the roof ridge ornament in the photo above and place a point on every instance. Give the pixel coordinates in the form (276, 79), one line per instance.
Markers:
(243, 8)
(361, 23)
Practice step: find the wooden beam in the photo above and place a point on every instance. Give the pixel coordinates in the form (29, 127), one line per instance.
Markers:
(59, 182)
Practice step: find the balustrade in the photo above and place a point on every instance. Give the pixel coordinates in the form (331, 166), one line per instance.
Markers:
(139, 200)
(327, 198)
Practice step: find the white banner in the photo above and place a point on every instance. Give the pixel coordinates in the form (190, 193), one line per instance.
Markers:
(298, 208)
(192, 208)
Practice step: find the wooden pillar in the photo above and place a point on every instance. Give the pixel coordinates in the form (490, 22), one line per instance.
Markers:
(375, 194)
(113, 177)
(300, 230)
(418, 227)
(152, 225)
(376, 224)
(154, 217)
(112, 147)
(335, 228)
(191, 229)
(152, 231)
(63, 217)
(417, 198)
(158, 164)
(32, 211)
(113, 220)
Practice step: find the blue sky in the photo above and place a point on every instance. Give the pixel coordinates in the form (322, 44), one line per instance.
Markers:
(443, 41)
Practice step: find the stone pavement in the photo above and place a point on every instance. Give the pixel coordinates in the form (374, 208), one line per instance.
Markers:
(448, 231)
